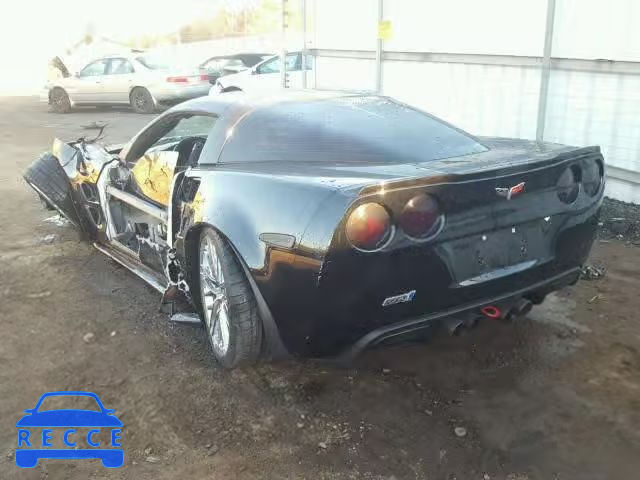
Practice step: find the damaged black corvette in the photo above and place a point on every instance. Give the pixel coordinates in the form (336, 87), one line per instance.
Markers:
(321, 224)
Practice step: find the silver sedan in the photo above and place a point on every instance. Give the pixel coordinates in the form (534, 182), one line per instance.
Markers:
(138, 80)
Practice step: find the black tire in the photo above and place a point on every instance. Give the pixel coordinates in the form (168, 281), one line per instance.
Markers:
(142, 101)
(244, 324)
(59, 101)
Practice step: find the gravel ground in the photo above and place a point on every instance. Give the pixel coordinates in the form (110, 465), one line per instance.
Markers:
(620, 220)
(554, 396)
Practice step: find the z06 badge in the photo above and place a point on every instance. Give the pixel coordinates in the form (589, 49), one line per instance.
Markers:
(402, 298)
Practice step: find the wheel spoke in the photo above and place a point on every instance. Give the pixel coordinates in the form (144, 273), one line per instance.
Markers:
(214, 296)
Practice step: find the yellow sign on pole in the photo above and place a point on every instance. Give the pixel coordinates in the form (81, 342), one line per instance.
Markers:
(385, 29)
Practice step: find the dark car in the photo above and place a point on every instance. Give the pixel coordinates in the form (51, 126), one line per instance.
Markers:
(219, 66)
(319, 224)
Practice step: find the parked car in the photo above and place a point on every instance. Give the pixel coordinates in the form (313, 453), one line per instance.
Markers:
(319, 224)
(264, 78)
(139, 80)
(219, 66)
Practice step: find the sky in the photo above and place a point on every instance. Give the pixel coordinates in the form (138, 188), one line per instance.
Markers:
(33, 31)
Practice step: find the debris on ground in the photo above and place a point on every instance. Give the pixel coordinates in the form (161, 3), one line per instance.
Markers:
(460, 432)
(592, 272)
(87, 337)
(619, 220)
(48, 238)
(97, 125)
(57, 220)
(322, 445)
(152, 459)
(113, 334)
(595, 298)
(39, 294)
(442, 455)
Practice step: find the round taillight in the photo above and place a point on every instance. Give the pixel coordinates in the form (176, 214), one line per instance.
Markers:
(592, 174)
(420, 216)
(369, 226)
(569, 184)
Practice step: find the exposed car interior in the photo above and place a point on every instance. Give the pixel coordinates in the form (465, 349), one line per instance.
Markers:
(139, 190)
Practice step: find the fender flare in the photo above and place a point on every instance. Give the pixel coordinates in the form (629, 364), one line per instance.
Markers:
(274, 347)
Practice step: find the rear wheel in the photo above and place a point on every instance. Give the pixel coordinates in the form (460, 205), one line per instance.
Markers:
(142, 101)
(59, 100)
(228, 305)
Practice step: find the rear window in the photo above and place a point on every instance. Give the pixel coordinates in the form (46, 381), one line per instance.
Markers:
(347, 129)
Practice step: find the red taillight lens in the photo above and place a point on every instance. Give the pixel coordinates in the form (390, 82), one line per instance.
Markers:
(369, 226)
(204, 78)
(177, 79)
(569, 184)
(420, 216)
(592, 173)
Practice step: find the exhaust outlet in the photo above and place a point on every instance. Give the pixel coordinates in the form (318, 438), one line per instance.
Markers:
(454, 325)
(457, 325)
(491, 311)
(521, 308)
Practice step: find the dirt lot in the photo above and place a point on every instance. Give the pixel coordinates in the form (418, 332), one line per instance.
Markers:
(556, 395)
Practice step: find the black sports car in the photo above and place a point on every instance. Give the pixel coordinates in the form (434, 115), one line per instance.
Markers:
(319, 224)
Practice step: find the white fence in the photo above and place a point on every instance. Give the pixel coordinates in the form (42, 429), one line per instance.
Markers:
(478, 65)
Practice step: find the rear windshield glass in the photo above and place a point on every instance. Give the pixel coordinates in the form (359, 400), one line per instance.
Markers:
(346, 129)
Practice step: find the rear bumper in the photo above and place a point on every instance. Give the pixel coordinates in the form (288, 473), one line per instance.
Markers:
(337, 305)
(168, 92)
(415, 325)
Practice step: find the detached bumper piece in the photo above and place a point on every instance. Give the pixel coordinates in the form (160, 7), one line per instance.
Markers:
(47, 177)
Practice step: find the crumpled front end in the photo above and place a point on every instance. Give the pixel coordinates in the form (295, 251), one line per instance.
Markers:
(66, 180)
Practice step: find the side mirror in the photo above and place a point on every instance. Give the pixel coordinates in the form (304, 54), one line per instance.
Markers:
(29, 410)
(254, 71)
(76, 74)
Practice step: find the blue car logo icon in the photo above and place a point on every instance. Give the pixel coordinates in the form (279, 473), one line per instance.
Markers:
(68, 420)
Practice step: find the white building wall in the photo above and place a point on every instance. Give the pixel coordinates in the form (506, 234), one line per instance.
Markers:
(584, 107)
(499, 27)
(598, 108)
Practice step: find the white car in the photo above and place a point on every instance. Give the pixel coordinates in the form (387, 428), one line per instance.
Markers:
(138, 80)
(264, 78)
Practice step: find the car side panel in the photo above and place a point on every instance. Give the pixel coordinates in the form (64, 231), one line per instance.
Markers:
(243, 207)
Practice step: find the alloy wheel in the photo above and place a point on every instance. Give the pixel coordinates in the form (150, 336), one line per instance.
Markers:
(215, 303)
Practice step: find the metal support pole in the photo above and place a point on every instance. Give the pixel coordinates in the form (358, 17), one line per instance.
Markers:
(283, 52)
(546, 70)
(304, 44)
(379, 49)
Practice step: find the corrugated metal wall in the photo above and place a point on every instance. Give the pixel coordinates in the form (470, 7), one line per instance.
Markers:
(594, 95)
